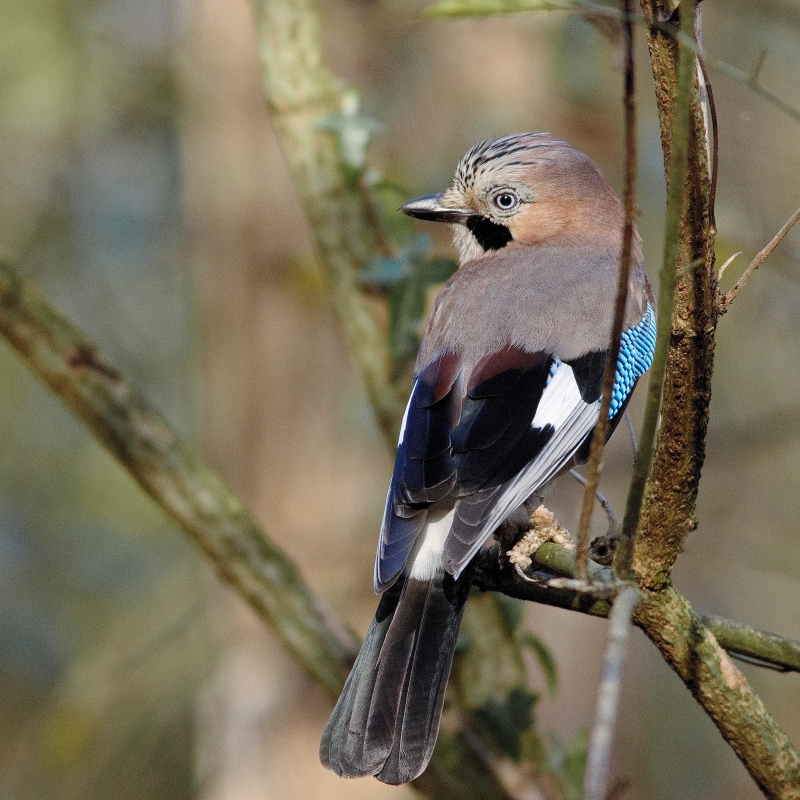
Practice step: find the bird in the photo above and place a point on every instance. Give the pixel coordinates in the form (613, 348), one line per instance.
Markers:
(506, 392)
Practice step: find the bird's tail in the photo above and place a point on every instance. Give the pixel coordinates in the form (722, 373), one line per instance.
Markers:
(387, 718)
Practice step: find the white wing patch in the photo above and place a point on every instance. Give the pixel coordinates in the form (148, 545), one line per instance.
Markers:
(559, 399)
(562, 407)
(405, 416)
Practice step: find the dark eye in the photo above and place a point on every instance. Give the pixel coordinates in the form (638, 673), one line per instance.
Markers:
(505, 201)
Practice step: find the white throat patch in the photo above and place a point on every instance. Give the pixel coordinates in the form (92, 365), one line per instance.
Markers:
(466, 244)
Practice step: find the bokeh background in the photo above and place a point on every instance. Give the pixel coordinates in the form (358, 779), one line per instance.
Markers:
(141, 185)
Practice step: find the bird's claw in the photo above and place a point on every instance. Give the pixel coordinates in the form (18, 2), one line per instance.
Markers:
(543, 527)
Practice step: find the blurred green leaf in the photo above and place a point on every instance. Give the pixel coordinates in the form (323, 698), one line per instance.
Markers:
(568, 762)
(353, 132)
(387, 198)
(408, 276)
(388, 271)
(504, 721)
(483, 8)
(513, 610)
(544, 657)
(406, 310)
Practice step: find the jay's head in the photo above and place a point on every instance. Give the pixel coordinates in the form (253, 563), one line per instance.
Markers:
(521, 190)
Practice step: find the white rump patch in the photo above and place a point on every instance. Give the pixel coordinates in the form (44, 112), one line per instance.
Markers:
(427, 557)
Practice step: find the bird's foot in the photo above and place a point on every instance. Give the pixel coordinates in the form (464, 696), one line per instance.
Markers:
(509, 532)
(544, 527)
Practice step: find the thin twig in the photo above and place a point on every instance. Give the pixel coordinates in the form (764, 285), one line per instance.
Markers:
(602, 733)
(749, 79)
(725, 266)
(714, 145)
(605, 503)
(599, 436)
(631, 432)
(757, 262)
(370, 209)
(605, 591)
(679, 159)
(740, 76)
(755, 69)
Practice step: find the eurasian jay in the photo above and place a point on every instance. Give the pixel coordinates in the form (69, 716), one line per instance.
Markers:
(505, 396)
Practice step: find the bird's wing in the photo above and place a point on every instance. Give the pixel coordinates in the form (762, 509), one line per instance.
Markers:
(564, 416)
(424, 471)
(522, 419)
(552, 424)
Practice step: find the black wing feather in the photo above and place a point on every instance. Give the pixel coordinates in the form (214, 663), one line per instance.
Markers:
(494, 439)
(424, 470)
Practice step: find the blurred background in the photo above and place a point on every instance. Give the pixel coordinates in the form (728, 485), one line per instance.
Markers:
(142, 187)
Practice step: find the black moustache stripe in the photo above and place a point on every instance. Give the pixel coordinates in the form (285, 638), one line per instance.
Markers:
(490, 235)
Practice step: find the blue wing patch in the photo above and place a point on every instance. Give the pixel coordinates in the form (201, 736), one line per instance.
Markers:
(637, 346)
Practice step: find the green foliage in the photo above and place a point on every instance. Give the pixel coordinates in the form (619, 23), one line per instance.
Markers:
(513, 610)
(386, 197)
(544, 658)
(504, 721)
(485, 8)
(407, 277)
(568, 762)
(353, 132)
(455, 766)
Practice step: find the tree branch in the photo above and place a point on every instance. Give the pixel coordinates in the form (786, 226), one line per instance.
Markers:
(659, 545)
(300, 90)
(192, 494)
(176, 478)
(694, 653)
(772, 650)
(602, 734)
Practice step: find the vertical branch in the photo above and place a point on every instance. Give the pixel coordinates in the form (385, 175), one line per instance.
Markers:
(601, 429)
(299, 90)
(684, 350)
(602, 735)
(668, 512)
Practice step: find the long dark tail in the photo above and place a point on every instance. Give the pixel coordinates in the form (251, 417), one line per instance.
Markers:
(387, 718)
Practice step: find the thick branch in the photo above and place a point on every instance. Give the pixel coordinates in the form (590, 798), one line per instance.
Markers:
(688, 644)
(671, 493)
(775, 651)
(176, 478)
(723, 692)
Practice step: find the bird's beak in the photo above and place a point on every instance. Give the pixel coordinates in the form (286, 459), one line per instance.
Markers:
(430, 207)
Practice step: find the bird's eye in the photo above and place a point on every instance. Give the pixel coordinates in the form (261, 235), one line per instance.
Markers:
(505, 201)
